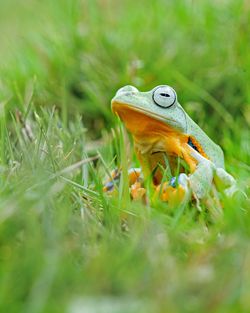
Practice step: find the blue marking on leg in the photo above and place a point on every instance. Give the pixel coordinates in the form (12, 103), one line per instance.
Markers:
(173, 182)
(109, 186)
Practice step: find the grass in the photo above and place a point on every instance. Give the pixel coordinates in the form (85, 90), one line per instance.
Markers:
(62, 247)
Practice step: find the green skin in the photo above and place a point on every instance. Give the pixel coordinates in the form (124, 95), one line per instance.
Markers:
(207, 171)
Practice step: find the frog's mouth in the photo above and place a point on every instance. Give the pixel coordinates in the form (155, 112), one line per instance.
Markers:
(139, 120)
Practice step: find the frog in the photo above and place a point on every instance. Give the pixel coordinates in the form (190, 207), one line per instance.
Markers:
(164, 135)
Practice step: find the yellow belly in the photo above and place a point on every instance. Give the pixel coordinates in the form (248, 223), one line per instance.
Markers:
(153, 139)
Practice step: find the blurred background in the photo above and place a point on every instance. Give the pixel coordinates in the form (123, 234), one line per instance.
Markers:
(61, 63)
(78, 53)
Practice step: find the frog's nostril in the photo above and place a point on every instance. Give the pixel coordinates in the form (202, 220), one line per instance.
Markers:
(126, 89)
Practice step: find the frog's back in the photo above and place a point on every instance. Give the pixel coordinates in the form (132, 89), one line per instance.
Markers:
(211, 149)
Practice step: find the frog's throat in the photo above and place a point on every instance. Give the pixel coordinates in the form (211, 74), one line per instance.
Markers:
(125, 112)
(152, 133)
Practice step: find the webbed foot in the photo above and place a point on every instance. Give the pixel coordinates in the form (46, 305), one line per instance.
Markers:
(175, 191)
(137, 191)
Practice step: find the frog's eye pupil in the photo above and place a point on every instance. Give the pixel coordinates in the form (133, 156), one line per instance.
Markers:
(164, 94)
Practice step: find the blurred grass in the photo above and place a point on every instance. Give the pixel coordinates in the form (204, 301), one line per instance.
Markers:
(61, 244)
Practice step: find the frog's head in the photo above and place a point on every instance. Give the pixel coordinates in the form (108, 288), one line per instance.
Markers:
(139, 110)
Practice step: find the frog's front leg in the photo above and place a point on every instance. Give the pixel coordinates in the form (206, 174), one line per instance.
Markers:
(206, 173)
(200, 181)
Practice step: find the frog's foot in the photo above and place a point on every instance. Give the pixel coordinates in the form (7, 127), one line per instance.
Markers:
(137, 191)
(225, 181)
(181, 180)
(176, 191)
(135, 180)
(112, 181)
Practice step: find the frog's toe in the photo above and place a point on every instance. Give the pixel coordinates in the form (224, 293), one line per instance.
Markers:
(231, 191)
(181, 180)
(137, 192)
(109, 186)
(134, 175)
(112, 181)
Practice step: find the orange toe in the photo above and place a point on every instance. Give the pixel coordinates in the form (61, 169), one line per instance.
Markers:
(137, 191)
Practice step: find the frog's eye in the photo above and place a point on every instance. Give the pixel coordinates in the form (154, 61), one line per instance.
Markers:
(164, 96)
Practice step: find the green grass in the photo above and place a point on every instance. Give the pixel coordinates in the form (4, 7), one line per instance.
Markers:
(62, 246)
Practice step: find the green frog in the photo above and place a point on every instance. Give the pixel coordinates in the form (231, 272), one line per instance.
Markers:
(165, 135)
